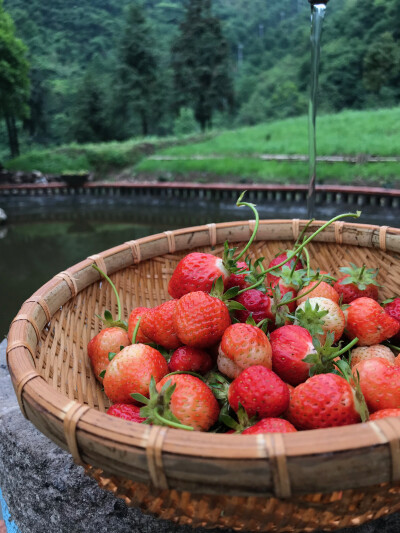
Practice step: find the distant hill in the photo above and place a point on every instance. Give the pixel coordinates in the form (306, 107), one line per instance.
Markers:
(269, 44)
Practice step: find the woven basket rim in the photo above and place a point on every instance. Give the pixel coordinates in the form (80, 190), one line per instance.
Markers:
(80, 423)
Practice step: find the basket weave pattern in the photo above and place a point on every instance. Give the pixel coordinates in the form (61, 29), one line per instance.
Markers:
(260, 483)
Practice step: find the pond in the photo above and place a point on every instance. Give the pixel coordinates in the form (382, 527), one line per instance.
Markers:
(46, 235)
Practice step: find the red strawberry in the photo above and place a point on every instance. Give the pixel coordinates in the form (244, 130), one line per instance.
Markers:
(126, 411)
(131, 370)
(383, 413)
(270, 425)
(237, 279)
(380, 383)
(369, 322)
(137, 313)
(363, 353)
(321, 316)
(393, 309)
(290, 345)
(258, 305)
(243, 345)
(181, 401)
(323, 290)
(260, 391)
(196, 272)
(272, 279)
(158, 325)
(108, 340)
(356, 283)
(200, 319)
(188, 359)
(324, 400)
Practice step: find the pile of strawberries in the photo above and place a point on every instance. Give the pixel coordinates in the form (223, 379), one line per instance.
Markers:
(242, 347)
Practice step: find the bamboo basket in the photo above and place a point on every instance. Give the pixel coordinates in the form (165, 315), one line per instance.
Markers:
(320, 479)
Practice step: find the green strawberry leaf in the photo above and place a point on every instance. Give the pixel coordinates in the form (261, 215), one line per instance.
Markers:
(111, 355)
(102, 374)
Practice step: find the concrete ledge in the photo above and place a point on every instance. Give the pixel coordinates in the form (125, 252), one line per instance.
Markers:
(46, 492)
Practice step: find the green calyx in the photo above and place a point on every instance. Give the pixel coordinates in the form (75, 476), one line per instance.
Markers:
(311, 318)
(217, 291)
(290, 277)
(219, 386)
(359, 276)
(156, 408)
(108, 320)
(322, 360)
(242, 422)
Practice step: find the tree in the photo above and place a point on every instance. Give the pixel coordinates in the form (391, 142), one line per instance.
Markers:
(14, 81)
(200, 59)
(138, 84)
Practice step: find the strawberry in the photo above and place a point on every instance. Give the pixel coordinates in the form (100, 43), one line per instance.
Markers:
(238, 279)
(363, 353)
(324, 400)
(243, 345)
(137, 313)
(188, 359)
(321, 316)
(270, 425)
(200, 319)
(290, 345)
(257, 304)
(126, 411)
(109, 340)
(380, 383)
(357, 283)
(130, 371)
(323, 290)
(158, 325)
(273, 276)
(392, 308)
(260, 391)
(180, 401)
(196, 272)
(200, 271)
(367, 321)
(383, 413)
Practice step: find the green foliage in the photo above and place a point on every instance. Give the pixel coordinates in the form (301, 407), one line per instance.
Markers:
(14, 81)
(200, 61)
(185, 123)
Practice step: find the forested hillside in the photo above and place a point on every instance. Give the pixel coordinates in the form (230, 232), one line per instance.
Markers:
(86, 84)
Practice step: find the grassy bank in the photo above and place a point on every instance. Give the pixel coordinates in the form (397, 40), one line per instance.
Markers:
(346, 133)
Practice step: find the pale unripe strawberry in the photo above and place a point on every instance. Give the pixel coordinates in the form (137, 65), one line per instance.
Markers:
(243, 345)
(321, 316)
(362, 353)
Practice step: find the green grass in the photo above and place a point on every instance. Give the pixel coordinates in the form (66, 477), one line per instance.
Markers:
(271, 171)
(100, 158)
(347, 133)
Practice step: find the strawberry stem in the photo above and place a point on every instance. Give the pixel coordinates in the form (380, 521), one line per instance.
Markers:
(239, 203)
(392, 346)
(311, 237)
(165, 422)
(301, 295)
(113, 288)
(135, 331)
(345, 349)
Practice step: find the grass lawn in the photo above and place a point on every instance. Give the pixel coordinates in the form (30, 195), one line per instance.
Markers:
(346, 133)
